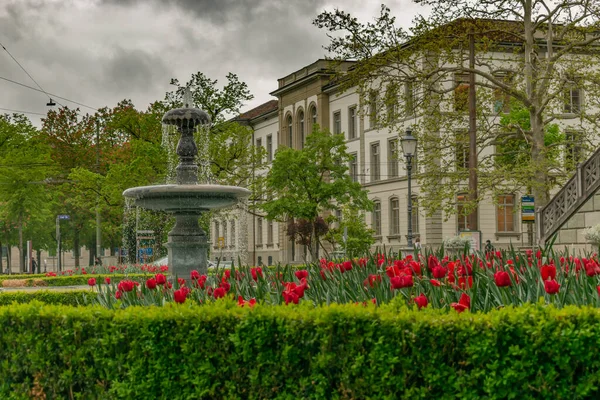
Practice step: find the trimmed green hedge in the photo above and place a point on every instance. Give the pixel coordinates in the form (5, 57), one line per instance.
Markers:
(75, 280)
(69, 298)
(227, 352)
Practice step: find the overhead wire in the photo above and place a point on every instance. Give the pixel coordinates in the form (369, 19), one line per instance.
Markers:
(41, 89)
(51, 94)
(28, 74)
(21, 111)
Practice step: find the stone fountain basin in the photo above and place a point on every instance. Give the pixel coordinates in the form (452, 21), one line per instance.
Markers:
(181, 198)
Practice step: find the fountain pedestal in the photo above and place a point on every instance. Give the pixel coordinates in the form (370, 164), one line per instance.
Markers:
(187, 246)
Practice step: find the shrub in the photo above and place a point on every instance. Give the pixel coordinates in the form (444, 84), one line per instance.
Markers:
(70, 298)
(341, 351)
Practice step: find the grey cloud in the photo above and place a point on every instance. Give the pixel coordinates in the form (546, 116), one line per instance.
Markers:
(134, 70)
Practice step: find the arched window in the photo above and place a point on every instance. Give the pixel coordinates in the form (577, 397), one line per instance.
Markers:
(289, 131)
(313, 115)
(301, 127)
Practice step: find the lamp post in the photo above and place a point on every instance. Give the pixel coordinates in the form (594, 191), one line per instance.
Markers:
(409, 148)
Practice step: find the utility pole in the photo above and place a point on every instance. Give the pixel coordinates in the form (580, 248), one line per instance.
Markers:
(98, 217)
(473, 223)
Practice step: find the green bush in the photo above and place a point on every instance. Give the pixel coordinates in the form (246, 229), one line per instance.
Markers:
(75, 280)
(69, 298)
(340, 351)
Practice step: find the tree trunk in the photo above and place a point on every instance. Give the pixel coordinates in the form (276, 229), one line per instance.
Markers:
(538, 157)
(314, 251)
(76, 246)
(1, 269)
(21, 252)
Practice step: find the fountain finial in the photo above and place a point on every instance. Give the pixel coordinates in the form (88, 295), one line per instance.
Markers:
(187, 98)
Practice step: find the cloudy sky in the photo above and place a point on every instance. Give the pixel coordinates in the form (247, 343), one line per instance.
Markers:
(98, 52)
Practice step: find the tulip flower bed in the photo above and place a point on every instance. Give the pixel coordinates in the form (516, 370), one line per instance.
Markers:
(73, 280)
(475, 282)
(338, 351)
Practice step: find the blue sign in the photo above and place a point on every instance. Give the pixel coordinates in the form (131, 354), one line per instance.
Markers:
(527, 209)
(63, 216)
(145, 252)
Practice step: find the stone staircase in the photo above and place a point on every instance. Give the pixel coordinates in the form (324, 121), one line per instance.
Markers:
(573, 195)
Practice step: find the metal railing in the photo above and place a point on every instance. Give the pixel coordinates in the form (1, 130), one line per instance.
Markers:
(573, 195)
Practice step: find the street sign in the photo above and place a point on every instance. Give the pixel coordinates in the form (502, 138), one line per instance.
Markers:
(63, 216)
(527, 210)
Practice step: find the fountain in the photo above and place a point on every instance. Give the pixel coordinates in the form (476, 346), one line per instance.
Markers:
(187, 199)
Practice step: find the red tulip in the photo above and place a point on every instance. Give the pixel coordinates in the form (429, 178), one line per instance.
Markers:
(256, 272)
(301, 274)
(219, 292)
(548, 272)
(399, 282)
(179, 295)
(421, 301)
(463, 304)
(107, 280)
(160, 279)
(551, 287)
(151, 283)
(439, 272)
(195, 275)
(92, 281)
(465, 282)
(435, 282)
(118, 294)
(502, 279)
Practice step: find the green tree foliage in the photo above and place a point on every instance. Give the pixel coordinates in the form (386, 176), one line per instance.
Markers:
(305, 183)
(351, 234)
(24, 169)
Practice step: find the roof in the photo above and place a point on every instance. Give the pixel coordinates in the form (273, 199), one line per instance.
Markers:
(265, 108)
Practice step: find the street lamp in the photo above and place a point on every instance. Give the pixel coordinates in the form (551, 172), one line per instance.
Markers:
(409, 148)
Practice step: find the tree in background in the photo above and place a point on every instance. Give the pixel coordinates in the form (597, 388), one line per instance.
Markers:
(24, 203)
(306, 183)
(542, 55)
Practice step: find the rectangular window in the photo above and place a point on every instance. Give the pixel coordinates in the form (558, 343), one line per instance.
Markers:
(269, 148)
(258, 147)
(376, 218)
(259, 230)
(409, 98)
(375, 159)
(572, 97)
(394, 216)
(391, 102)
(216, 239)
(337, 122)
(505, 213)
(352, 125)
(372, 109)
(501, 98)
(269, 231)
(393, 158)
(338, 217)
(461, 210)
(232, 241)
(224, 233)
(461, 92)
(573, 149)
(353, 167)
(462, 150)
(415, 214)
